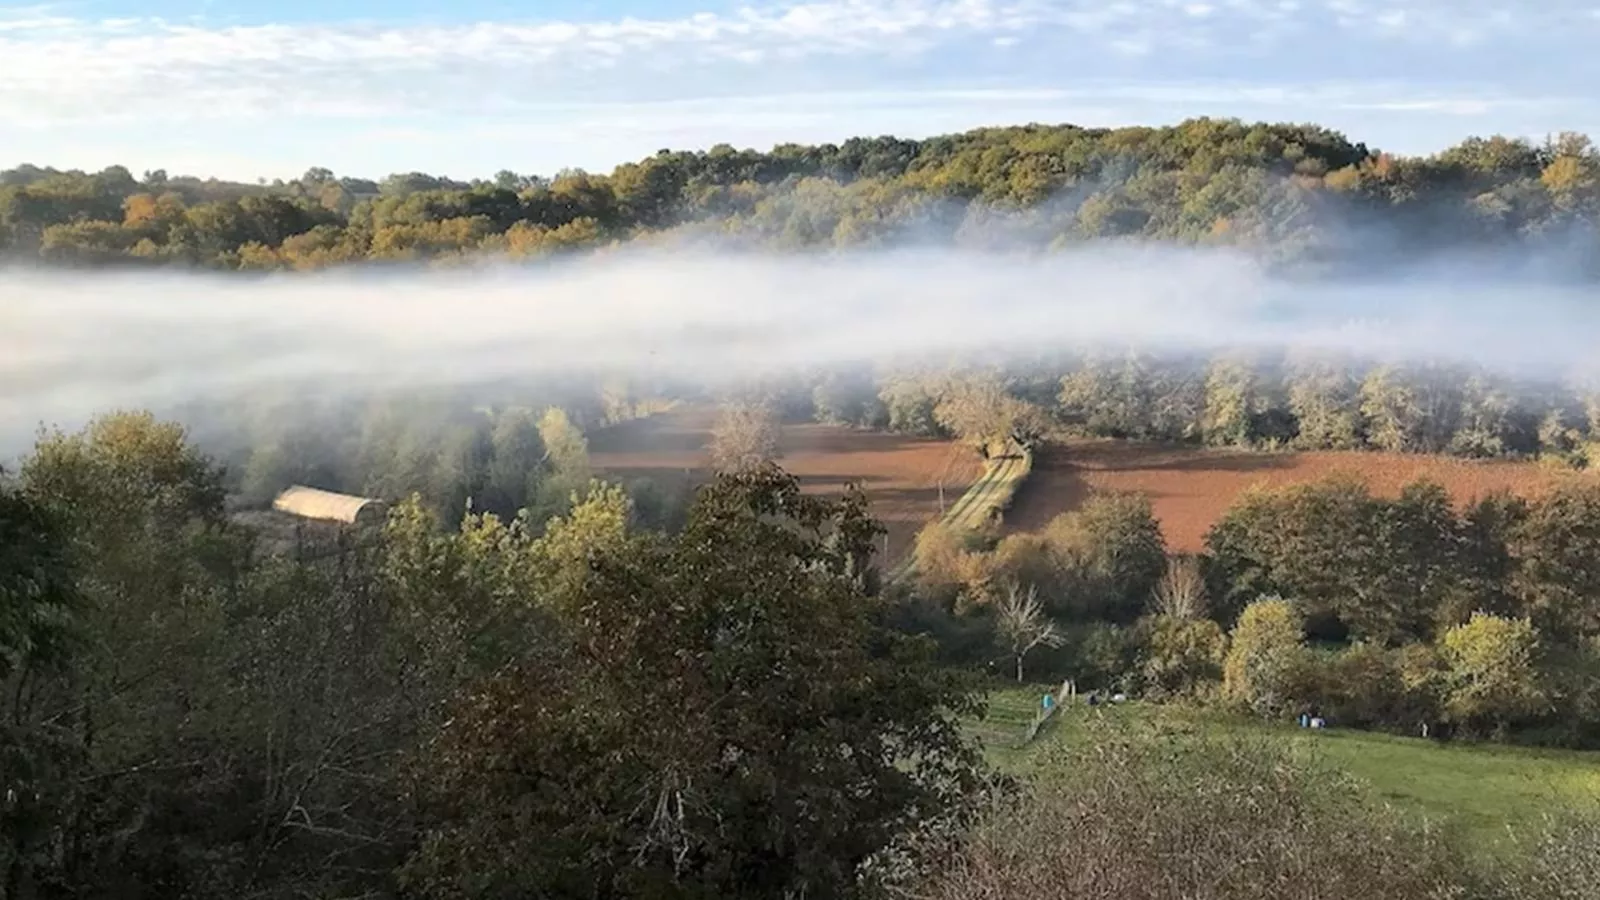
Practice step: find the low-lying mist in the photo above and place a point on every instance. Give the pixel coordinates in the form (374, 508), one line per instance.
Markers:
(75, 343)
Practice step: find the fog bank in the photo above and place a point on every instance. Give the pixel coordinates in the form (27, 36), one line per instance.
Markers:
(73, 344)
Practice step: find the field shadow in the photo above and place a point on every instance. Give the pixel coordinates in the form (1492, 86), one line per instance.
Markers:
(1130, 457)
(921, 497)
(839, 482)
(662, 474)
(812, 438)
(1055, 486)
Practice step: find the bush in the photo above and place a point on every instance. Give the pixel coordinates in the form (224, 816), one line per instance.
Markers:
(1368, 686)
(1180, 657)
(1560, 863)
(1140, 816)
(1101, 656)
(1267, 663)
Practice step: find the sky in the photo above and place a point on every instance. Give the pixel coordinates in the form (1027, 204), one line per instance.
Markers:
(470, 87)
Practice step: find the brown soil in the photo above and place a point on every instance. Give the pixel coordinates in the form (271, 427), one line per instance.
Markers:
(900, 475)
(1191, 487)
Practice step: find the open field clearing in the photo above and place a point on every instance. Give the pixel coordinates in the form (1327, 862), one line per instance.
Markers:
(901, 475)
(1485, 791)
(1191, 487)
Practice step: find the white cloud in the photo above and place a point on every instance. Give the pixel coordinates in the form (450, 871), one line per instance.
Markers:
(59, 70)
(273, 98)
(596, 136)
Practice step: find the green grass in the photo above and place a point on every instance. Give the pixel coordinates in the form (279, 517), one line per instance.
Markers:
(1485, 792)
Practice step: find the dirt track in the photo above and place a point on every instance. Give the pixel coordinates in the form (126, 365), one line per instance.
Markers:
(1191, 487)
(901, 475)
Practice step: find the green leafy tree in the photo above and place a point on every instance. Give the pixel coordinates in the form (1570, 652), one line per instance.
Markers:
(39, 763)
(846, 399)
(1109, 557)
(1266, 661)
(515, 458)
(1232, 404)
(1493, 675)
(910, 403)
(1135, 397)
(1413, 410)
(732, 720)
(39, 598)
(1489, 425)
(1378, 569)
(1557, 551)
(566, 464)
(1325, 401)
(158, 570)
(1180, 656)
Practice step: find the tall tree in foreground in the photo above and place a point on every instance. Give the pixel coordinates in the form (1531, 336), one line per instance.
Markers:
(745, 436)
(733, 718)
(39, 603)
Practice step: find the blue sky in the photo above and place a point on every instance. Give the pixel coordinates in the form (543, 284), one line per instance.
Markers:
(465, 88)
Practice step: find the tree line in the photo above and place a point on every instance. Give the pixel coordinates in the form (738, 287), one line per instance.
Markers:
(1292, 192)
(1263, 400)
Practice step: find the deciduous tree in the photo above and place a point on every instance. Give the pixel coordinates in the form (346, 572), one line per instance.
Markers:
(746, 436)
(732, 720)
(1021, 624)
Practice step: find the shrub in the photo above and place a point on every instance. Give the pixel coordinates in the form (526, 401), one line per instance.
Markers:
(1180, 656)
(1266, 660)
(1562, 862)
(1140, 816)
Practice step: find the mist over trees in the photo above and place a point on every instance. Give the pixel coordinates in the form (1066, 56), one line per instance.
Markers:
(503, 448)
(1292, 193)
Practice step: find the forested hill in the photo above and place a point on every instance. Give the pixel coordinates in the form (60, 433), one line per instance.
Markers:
(1296, 193)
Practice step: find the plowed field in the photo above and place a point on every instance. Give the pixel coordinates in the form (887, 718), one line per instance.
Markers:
(901, 475)
(1190, 487)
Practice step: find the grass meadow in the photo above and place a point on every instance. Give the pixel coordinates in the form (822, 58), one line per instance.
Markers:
(1487, 794)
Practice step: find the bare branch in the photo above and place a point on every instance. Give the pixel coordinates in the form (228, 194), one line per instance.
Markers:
(1181, 592)
(1023, 625)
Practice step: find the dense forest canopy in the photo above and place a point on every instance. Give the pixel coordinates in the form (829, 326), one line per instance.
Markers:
(1297, 193)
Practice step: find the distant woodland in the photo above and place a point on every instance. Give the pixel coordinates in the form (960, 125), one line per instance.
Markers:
(1297, 194)
(484, 447)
